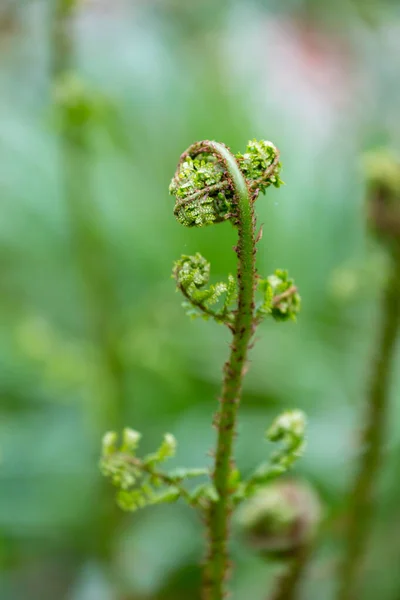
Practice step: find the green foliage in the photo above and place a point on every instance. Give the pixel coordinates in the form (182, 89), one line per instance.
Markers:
(281, 299)
(55, 399)
(260, 165)
(192, 273)
(140, 481)
(211, 185)
(290, 429)
(198, 183)
(202, 191)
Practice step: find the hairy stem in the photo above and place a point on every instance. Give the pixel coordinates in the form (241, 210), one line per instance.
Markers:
(217, 561)
(287, 584)
(373, 435)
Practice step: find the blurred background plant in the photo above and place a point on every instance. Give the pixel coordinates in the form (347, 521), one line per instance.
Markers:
(383, 209)
(91, 331)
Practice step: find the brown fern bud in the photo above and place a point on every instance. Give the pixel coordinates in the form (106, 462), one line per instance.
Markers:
(281, 518)
(383, 175)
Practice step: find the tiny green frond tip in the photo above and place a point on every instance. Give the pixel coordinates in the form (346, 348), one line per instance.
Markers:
(140, 480)
(260, 165)
(290, 429)
(203, 188)
(281, 299)
(192, 274)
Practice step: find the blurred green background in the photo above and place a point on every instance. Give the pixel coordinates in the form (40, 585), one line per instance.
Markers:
(92, 334)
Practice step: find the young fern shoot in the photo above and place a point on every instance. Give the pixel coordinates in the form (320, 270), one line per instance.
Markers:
(280, 522)
(383, 174)
(211, 185)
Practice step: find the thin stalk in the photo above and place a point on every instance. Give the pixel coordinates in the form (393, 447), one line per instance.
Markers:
(288, 582)
(373, 437)
(90, 250)
(87, 237)
(217, 561)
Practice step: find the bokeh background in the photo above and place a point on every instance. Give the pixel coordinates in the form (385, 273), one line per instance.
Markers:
(92, 334)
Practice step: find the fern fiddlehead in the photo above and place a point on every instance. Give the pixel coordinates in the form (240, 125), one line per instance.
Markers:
(383, 204)
(211, 185)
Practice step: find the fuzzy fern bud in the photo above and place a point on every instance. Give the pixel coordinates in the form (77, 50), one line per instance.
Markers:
(383, 175)
(260, 165)
(280, 518)
(192, 274)
(281, 299)
(202, 190)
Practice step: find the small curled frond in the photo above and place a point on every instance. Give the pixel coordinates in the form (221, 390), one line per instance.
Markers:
(280, 518)
(281, 299)
(260, 165)
(140, 481)
(290, 429)
(203, 188)
(192, 274)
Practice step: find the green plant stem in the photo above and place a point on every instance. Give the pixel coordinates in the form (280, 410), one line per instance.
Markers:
(88, 240)
(373, 436)
(217, 560)
(287, 584)
(91, 260)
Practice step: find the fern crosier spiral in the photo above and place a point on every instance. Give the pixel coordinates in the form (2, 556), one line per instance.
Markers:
(212, 185)
(203, 188)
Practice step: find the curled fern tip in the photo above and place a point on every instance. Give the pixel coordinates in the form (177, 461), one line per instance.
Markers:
(202, 185)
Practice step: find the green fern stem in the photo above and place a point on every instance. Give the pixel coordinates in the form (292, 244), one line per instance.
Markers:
(211, 185)
(217, 563)
(287, 585)
(373, 436)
